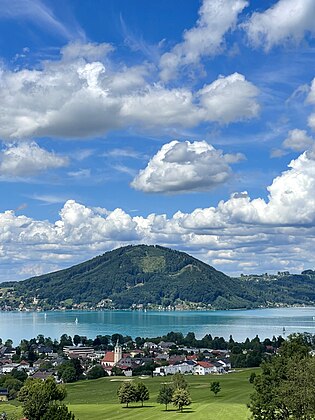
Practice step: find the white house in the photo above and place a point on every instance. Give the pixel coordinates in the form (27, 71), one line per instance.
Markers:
(9, 367)
(181, 367)
(204, 368)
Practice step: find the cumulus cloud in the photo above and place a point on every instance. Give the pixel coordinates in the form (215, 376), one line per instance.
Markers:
(185, 167)
(206, 38)
(230, 98)
(286, 21)
(238, 235)
(77, 96)
(298, 140)
(28, 159)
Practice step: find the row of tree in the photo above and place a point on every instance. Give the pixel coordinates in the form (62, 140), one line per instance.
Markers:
(175, 392)
(285, 389)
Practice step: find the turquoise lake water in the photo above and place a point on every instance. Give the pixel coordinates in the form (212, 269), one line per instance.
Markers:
(241, 324)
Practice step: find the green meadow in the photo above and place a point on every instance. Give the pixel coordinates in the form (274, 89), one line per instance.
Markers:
(97, 399)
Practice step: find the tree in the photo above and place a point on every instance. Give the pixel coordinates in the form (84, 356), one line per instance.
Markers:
(215, 387)
(21, 375)
(65, 340)
(58, 412)
(38, 397)
(181, 398)
(76, 339)
(165, 395)
(179, 381)
(70, 370)
(286, 386)
(142, 392)
(8, 343)
(96, 372)
(252, 377)
(127, 393)
(13, 385)
(67, 374)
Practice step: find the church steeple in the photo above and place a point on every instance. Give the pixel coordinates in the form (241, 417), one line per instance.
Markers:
(117, 352)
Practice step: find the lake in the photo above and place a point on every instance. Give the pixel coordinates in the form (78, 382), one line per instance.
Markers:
(241, 324)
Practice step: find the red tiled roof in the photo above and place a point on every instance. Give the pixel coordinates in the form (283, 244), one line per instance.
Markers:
(124, 367)
(193, 357)
(109, 357)
(205, 364)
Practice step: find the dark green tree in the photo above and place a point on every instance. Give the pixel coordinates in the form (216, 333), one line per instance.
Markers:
(142, 393)
(70, 371)
(215, 387)
(65, 340)
(96, 372)
(165, 395)
(21, 375)
(67, 374)
(252, 377)
(76, 339)
(13, 385)
(285, 388)
(58, 412)
(38, 396)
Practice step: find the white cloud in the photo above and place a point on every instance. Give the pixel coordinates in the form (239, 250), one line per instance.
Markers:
(239, 235)
(124, 153)
(78, 97)
(41, 15)
(89, 50)
(80, 173)
(230, 98)
(206, 38)
(48, 199)
(28, 159)
(277, 153)
(298, 140)
(311, 100)
(286, 21)
(185, 167)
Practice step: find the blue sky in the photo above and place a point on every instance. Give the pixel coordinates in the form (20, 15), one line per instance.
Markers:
(188, 124)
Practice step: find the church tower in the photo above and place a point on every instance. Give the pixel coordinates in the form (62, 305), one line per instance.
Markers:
(117, 353)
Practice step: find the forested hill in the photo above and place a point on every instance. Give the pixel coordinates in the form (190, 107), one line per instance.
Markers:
(138, 275)
(153, 275)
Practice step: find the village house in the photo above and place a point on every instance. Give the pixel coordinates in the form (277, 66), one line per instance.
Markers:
(8, 367)
(4, 394)
(204, 368)
(166, 345)
(150, 345)
(178, 367)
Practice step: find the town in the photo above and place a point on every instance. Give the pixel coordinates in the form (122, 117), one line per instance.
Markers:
(71, 359)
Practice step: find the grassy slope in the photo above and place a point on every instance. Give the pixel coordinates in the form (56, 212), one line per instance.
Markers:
(97, 399)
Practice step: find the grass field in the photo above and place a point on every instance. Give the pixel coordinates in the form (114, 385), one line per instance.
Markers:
(97, 399)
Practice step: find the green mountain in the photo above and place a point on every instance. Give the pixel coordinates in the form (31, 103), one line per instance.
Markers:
(142, 274)
(138, 275)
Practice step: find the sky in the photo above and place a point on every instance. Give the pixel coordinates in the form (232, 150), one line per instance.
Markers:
(189, 124)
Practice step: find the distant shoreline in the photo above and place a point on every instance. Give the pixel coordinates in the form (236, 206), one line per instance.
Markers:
(155, 310)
